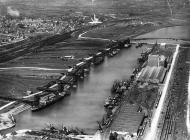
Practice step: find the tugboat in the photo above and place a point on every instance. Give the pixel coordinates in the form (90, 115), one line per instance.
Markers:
(107, 102)
(116, 51)
(127, 45)
(98, 60)
(113, 53)
(139, 45)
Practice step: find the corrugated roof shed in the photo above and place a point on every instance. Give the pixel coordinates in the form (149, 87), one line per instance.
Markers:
(152, 74)
(153, 60)
(128, 120)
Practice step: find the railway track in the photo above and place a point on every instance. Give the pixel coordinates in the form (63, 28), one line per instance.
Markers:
(177, 97)
(19, 109)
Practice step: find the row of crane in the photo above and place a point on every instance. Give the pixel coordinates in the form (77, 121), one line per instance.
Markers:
(70, 78)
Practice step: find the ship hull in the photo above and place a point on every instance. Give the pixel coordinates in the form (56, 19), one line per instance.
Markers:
(37, 108)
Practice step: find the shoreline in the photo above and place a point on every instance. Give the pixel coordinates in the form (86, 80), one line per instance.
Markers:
(83, 136)
(99, 54)
(106, 39)
(7, 121)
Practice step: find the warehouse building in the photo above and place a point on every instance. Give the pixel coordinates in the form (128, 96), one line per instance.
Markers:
(152, 74)
(156, 60)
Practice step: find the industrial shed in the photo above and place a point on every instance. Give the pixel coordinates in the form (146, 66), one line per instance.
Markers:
(152, 74)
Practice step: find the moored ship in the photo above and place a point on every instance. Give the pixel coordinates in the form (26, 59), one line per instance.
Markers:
(48, 99)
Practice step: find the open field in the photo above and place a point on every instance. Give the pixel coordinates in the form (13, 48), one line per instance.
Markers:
(122, 30)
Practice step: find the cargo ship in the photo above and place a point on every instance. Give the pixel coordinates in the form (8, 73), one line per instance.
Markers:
(48, 99)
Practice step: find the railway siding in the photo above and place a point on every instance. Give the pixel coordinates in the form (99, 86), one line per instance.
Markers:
(174, 127)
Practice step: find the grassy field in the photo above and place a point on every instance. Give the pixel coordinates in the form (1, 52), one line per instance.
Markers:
(121, 30)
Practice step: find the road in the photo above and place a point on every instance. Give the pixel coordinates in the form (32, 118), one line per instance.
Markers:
(188, 108)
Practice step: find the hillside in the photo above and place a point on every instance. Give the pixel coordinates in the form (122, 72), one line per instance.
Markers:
(120, 7)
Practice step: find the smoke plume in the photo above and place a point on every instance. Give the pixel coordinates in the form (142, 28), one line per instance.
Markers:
(13, 12)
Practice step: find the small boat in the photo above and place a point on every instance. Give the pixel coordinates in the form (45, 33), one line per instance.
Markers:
(127, 45)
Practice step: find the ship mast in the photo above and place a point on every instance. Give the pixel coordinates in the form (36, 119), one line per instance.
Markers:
(169, 5)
